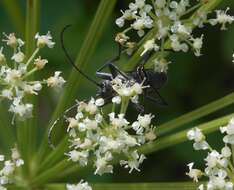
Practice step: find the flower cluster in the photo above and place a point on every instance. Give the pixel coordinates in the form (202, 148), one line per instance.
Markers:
(101, 137)
(219, 168)
(15, 74)
(9, 168)
(80, 186)
(169, 23)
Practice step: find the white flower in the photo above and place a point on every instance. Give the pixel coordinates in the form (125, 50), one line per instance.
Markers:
(134, 161)
(229, 129)
(196, 135)
(56, 80)
(197, 45)
(2, 158)
(2, 57)
(215, 159)
(20, 109)
(72, 123)
(116, 100)
(12, 41)
(222, 18)
(195, 174)
(161, 65)
(102, 166)
(6, 93)
(118, 122)
(99, 102)
(40, 63)
(226, 152)
(44, 40)
(18, 57)
(79, 156)
(120, 22)
(91, 107)
(80, 186)
(150, 45)
(145, 120)
(218, 182)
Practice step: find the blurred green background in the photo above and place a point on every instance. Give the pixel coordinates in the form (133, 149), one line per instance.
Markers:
(192, 82)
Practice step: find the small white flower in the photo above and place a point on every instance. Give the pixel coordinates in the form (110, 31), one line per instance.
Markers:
(56, 80)
(161, 65)
(2, 158)
(197, 45)
(12, 41)
(44, 40)
(226, 152)
(18, 57)
(120, 22)
(20, 109)
(195, 174)
(80, 186)
(134, 161)
(102, 166)
(229, 129)
(2, 57)
(150, 45)
(40, 63)
(100, 102)
(116, 100)
(118, 122)
(79, 156)
(222, 18)
(145, 120)
(195, 134)
(6, 93)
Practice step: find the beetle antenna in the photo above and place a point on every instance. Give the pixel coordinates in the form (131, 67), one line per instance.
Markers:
(70, 59)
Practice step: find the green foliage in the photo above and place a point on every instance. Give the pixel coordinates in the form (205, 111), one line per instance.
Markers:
(43, 165)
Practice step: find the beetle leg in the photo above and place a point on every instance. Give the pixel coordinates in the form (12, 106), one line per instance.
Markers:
(140, 108)
(55, 123)
(113, 69)
(160, 100)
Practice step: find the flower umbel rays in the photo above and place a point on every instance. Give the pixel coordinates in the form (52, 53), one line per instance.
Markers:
(169, 24)
(15, 74)
(102, 137)
(219, 167)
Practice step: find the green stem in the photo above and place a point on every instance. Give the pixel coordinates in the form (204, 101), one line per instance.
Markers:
(124, 105)
(135, 186)
(32, 57)
(196, 114)
(171, 140)
(30, 72)
(26, 131)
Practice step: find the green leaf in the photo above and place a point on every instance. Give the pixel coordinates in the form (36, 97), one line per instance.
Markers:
(89, 45)
(196, 114)
(135, 186)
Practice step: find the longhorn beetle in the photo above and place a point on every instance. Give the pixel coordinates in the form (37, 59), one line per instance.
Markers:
(155, 80)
